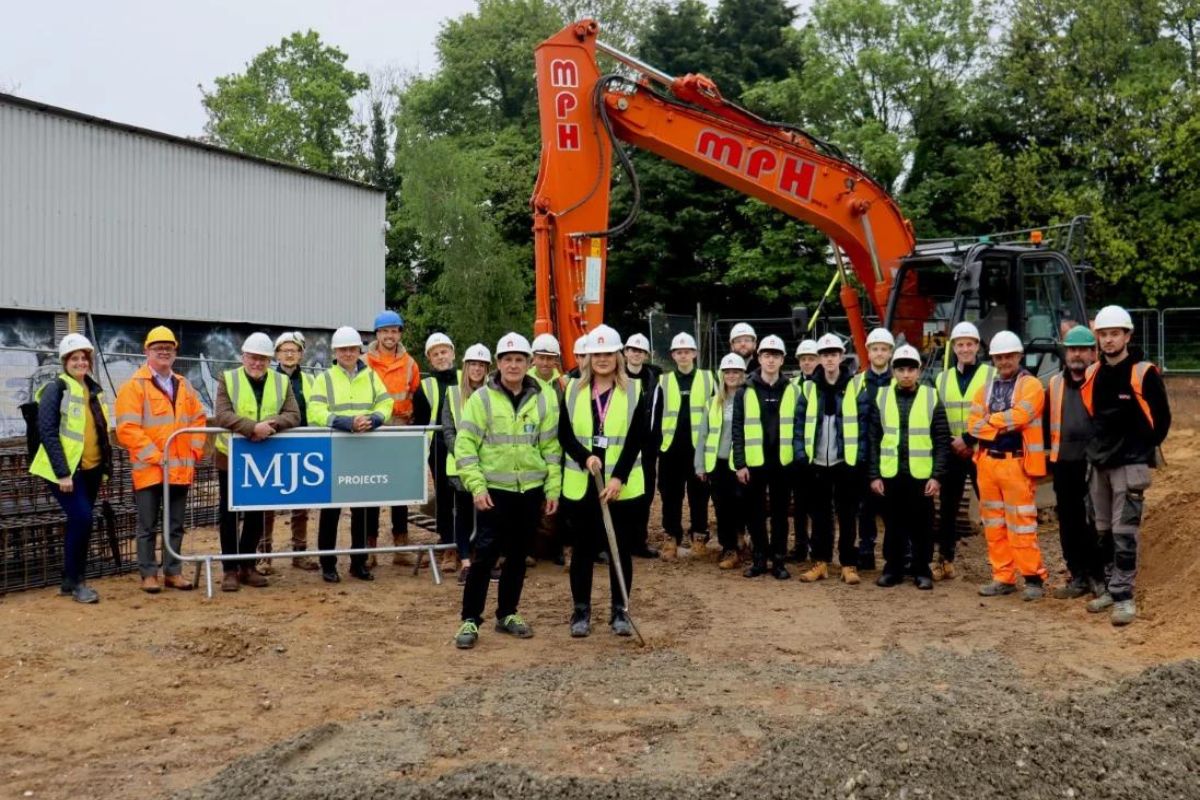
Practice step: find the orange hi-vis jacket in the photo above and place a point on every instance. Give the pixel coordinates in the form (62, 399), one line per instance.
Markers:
(1136, 378)
(1025, 415)
(146, 417)
(401, 377)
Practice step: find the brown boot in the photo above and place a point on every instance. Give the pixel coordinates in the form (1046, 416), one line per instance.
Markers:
(229, 583)
(729, 560)
(669, 550)
(850, 576)
(177, 582)
(372, 541)
(938, 569)
(402, 559)
(150, 584)
(818, 572)
(305, 563)
(449, 561)
(250, 577)
(948, 570)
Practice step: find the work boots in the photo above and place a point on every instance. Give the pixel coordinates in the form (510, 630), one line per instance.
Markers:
(757, 567)
(1123, 613)
(401, 559)
(230, 582)
(449, 561)
(581, 622)
(1076, 588)
(817, 572)
(1101, 603)
(669, 550)
(850, 576)
(250, 577)
(996, 588)
(729, 560)
(942, 570)
(1035, 589)
(779, 571)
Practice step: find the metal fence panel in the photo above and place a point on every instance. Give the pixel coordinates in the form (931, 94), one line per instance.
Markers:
(664, 327)
(1180, 340)
(1148, 332)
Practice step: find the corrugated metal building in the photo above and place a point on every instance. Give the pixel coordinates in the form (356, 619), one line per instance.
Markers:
(117, 220)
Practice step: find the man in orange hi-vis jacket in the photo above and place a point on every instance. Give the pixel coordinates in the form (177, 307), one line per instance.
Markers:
(1006, 422)
(152, 405)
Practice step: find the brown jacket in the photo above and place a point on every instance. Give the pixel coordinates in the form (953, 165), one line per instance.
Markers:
(225, 417)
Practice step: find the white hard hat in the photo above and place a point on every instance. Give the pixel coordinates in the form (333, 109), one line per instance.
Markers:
(881, 336)
(603, 339)
(546, 344)
(1113, 317)
(683, 341)
(830, 341)
(964, 330)
(72, 342)
(436, 339)
(638, 342)
(580, 345)
(741, 329)
(906, 352)
(772, 343)
(806, 348)
(733, 361)
(513, 343)
(258, 344)
(478, 352)
(345, 336)
(1005, 342)
(290, 337)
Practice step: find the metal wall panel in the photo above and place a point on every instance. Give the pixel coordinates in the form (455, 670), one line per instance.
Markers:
(109, 220)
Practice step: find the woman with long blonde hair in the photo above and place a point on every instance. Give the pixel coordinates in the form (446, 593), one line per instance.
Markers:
(714, 446)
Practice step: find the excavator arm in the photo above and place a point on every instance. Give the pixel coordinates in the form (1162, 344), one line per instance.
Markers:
(584, 114)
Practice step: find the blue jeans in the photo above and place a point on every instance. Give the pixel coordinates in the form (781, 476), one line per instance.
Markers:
(78, 505)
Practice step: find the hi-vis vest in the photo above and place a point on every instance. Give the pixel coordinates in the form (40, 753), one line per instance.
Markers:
(241, 397)
(1029, 399)
(702, 389)
(336, 394)
(712, 432)
(920, 435)
(454, 402)
(430, 387)
(617, 424)
(71, 429)
(1136, 378)
(515, 450)
(958, 405)
(812, 415)
(752, 429)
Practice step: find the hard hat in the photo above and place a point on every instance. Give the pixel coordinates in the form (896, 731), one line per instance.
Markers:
(388, 319)
(73, 342)
(772, 344)
(1005, 342)
(478, 352)
(258, 344)
(806, 348)
(881, 336)
(906, 352)
(733, 361)
(160, 334)
(830, 341)
(436, 339)
(580, 346)
(290, 337)
(513, 342)
(603, 339)
(964, 330)
(638, 342)
(741, 329)
(1113, 317)
(345, 336)
(546, 344)
(1079, 336)
(683, 341)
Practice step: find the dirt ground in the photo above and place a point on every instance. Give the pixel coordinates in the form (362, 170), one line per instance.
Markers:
(747, 688)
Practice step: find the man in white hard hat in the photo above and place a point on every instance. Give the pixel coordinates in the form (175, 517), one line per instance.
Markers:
(547, 362)
(1005, 421)
(956, 387)
(579, 350)
(686, 392)
(289, 352)
(807, 359)
(810, 362)
(427, 410)
(639, 368)
(743, 341)
(256, 402)
(865, 386)
(1131, 417)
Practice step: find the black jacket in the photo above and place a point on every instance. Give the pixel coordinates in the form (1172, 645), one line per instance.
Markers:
(769, 399)
(48, 422)
(1123, 435)
(939, 432)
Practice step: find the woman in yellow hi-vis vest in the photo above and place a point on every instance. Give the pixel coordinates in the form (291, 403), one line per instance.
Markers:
(713, 462)
(75, 456)
(476, 363)
(602, 427)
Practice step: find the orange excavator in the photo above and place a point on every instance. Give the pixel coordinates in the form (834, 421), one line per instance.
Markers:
(916, 290)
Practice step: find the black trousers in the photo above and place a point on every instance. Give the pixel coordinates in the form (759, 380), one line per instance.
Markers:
(253, 523)
(463, 512)
(800, 513)
(677, 473)
(327, 534)
(767, 497)
(590, 538)
(443, 497)
(870, 507)
(641, 512)
(399, 520)
(1081, 546)
(949, 499)
(909, 526)
(833, 490)
(506, 529)
(729, 501)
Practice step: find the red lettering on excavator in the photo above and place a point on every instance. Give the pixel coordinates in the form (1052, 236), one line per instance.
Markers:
(797, 178)
(720, 148)
(564, 73)
(761, 161)
(564, 104)
(568, 136)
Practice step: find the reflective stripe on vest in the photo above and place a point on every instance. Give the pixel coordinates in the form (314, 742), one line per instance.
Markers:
(957, 404)
(532, 439)
(72, 422)
(920, 435)
(850, 427)
(1056, 398)
(712, 437)
(752, 429)
(245, 404)
(349, 409)
(617, 424)
(702, 389)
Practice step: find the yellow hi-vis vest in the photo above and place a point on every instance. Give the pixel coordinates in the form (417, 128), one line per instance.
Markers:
(702, 389)
(512, 450)
(920, 435)
(430, 387)
(752, 429)
(849, 419)
(454, 402)
(712, 432)
(336, 394)
(241, 397)
(71, 423)
(617, 424)
(958, 405)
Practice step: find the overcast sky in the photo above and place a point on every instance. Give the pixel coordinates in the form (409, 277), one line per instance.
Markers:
(139, 61)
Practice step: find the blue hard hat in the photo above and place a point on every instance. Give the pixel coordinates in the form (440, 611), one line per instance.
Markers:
(388, 319)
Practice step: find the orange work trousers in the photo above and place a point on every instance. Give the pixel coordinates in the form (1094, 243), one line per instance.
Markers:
(1009, 514)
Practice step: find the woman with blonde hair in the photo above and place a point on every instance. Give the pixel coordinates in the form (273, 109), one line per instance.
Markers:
(715, 446)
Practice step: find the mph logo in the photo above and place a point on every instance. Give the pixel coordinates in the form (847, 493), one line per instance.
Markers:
(564, 75)
(796, 176)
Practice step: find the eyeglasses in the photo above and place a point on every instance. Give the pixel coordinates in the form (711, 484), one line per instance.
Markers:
(288, 351)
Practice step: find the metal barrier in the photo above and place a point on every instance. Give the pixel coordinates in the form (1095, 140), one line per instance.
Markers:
(1180, 332)
(207, 559)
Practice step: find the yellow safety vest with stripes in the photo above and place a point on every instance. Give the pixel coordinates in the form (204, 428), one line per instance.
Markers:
(617, 424)
(849, 419)
(516, 450)
(920, 432)
(752, 429)
(71, 429)
(336, 394)
(702, 389)
(454, 402)
(241, 397)
(430, 387)
(956, 403)
(715, 424)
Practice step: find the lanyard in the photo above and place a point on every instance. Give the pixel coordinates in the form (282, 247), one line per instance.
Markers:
(602, 409)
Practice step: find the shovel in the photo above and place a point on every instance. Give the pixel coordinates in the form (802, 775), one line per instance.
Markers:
(614, 555)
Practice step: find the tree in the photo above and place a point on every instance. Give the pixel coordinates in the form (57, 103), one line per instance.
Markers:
(292, 104)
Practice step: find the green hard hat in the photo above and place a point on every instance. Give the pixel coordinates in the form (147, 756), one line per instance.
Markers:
(1079, 336)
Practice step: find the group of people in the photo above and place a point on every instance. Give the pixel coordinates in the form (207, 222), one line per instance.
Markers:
(520, 440)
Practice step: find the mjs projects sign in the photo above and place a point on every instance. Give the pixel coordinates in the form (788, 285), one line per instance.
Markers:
(327, 470)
